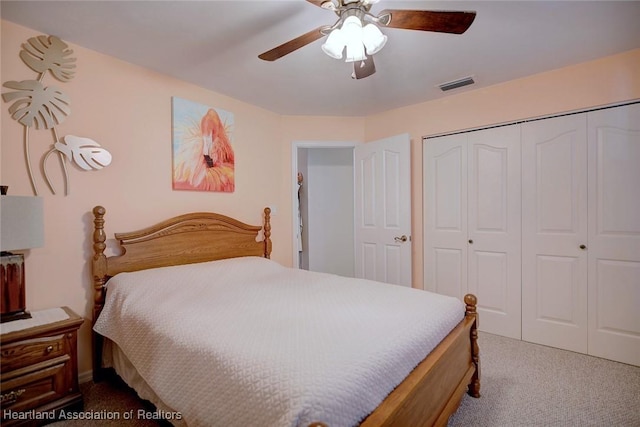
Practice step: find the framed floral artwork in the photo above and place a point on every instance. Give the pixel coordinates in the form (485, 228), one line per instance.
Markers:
(203, 158)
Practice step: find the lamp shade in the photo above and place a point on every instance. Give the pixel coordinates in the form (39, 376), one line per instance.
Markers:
(355, 52)
(373, 39)
(21, 222)
(334, 44)
(352, 31)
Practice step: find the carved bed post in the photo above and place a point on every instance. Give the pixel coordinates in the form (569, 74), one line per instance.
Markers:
(267, 232)
(474, 387)
(99, 277)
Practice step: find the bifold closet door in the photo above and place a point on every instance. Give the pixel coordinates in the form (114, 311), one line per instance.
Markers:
(614, 233)
(445, 215)
(494, 228)
(472, 222)
(554, 232)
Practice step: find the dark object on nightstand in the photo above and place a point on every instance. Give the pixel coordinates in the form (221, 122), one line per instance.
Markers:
(12, 289)
(39, 371)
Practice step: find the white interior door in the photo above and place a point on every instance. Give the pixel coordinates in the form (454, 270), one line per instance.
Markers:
(554, 218)
(445, 214)
(614, 233)
(383, 210)
(494, 229)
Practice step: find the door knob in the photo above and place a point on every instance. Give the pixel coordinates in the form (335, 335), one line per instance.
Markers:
(402, 238)
(583, 247)
(470, 242)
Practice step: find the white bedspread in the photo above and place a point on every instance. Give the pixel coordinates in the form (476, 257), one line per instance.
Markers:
(248, 342)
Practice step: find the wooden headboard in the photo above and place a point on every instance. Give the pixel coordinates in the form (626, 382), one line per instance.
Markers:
(184, 239)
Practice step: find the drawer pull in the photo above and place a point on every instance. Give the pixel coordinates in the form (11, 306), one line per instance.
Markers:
(12, 396)
(49, 349)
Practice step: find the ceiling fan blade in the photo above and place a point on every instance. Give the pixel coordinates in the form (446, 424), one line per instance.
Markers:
(317, 2)
(292, 45)
(427, 20)
(362, 69)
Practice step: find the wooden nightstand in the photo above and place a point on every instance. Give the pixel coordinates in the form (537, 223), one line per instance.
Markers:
(39, 367)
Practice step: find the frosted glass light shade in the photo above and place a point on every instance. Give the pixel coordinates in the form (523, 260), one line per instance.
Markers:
(335, 44)
(355, 51)
(373, 39)
(352, 28)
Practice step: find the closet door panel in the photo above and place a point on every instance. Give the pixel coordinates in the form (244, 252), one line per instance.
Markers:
(554, 226)
(557, 283)
(445, 215)
(490, 280)
(614, 233)
(494, 215)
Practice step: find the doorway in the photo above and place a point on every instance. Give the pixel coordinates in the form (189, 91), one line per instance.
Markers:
(323, 208)
(360, 223)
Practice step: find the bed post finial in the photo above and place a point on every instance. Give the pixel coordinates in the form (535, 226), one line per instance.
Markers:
(99, 277)
(99, 265)
(471, 301)
(267, 232)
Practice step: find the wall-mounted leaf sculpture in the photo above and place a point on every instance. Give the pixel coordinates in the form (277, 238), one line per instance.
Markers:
(85, 152)
(34, 103)
(44, 53)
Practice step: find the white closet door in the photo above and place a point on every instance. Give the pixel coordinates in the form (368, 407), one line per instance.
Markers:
(445, 215)
(494, 229)
(554, 226)
(614, 233)
(472, 222)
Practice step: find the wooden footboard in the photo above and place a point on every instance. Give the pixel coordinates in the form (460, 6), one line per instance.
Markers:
(434, 389)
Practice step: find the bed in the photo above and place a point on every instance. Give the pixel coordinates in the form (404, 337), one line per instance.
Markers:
(424, 387)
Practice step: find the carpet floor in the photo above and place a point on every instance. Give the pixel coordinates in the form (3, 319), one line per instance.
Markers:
(522, 384)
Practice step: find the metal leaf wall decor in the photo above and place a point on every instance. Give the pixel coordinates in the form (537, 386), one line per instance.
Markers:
(40, 107)
(85, 152)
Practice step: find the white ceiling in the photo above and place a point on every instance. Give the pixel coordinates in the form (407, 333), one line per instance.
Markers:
(215, 44)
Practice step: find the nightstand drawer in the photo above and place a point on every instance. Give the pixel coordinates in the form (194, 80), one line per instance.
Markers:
(27, 352)
(36, 388)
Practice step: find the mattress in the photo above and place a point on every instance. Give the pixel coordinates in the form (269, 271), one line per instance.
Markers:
(246, 341)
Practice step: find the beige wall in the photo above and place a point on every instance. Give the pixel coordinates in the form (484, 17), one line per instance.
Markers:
(605, 81)
(127, 109)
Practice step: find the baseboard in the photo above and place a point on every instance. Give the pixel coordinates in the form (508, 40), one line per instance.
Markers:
(85, 377)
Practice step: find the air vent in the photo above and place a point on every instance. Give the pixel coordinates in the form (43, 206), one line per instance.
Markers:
(456, 84)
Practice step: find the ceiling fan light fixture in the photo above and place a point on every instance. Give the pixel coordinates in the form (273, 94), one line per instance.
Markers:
(335, 44)
(351, 36)
(358, 31)
(373, 39)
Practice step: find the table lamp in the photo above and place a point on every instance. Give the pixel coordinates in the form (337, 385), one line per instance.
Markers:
(21, 227)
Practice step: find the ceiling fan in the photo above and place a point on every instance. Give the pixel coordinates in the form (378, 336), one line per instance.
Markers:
(357, 31)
